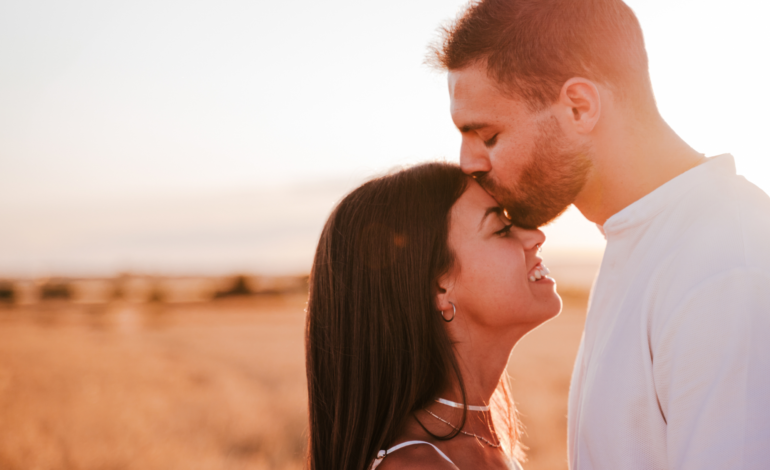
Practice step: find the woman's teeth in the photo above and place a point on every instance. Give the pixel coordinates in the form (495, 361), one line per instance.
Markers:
(538, 273)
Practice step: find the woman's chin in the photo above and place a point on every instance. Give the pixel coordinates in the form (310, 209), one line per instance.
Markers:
(553, 310)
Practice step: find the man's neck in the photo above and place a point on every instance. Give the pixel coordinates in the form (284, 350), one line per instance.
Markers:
(630, 163)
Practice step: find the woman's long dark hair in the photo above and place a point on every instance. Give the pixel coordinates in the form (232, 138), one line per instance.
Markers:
(376, 348)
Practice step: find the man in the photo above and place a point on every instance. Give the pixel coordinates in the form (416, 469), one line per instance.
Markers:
(555, 106)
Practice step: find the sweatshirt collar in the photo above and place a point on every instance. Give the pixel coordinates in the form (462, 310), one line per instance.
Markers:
(653, 203)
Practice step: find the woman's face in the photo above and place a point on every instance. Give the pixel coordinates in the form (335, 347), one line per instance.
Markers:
(497, 279)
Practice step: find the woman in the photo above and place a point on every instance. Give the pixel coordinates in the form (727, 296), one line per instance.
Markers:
(419, 291)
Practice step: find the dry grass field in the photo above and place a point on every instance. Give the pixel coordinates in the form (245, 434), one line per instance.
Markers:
(213, 385)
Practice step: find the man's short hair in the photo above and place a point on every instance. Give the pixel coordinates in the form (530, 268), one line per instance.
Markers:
(531, 47)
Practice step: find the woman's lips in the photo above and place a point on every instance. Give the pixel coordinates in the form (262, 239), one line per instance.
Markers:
(538, 272)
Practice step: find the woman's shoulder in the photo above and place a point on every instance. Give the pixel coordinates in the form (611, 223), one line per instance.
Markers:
(416, 456)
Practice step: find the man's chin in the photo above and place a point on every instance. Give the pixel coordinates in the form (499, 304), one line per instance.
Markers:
(524, 210)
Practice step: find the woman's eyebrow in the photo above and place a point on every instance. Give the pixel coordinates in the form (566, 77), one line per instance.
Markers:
(490, 210)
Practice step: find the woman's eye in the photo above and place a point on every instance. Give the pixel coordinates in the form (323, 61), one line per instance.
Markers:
(491, 142)
(505, 231)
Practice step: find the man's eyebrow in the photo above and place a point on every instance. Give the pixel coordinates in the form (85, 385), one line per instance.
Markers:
(490, 210)
(472, 127)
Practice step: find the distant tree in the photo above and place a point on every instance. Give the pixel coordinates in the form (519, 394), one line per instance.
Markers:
(7, 292)
(119, 286)
(117, 290)
(240, 287)
(157, 295)
(56, 289)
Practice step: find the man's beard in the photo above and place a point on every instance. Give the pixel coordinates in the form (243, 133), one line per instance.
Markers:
(549, 183)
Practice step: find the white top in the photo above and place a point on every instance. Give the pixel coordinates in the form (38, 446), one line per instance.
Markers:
(674, 368)
(384, 453)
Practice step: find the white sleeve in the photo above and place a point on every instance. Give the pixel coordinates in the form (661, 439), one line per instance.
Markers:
(711, 365)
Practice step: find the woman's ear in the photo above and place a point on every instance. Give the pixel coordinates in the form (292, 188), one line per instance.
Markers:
(444, 287)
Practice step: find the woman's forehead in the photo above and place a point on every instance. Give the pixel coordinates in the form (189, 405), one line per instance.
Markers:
(472, 206)
(476, 196)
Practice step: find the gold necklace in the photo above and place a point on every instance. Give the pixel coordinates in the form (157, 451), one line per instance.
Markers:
(482, 438)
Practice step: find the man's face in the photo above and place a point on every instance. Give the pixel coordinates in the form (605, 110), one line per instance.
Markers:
(522, 158)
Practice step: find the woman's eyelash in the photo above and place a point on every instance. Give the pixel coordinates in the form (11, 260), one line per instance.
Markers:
(505, 230)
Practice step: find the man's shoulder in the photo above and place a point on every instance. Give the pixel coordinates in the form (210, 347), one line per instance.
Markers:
(723, 226)
(723, 302)
(725, 307)
(720, 233)
(746, 197)
(733, 194)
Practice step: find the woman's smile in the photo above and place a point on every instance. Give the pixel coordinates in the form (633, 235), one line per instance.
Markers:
(540, 273)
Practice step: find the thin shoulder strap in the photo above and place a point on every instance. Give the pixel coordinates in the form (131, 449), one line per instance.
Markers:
(384, 453)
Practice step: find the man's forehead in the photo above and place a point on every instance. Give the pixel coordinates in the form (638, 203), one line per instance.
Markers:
(469, 83)
(475, 98)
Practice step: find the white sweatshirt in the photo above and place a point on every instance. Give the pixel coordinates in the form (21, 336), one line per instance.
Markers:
(674, 368)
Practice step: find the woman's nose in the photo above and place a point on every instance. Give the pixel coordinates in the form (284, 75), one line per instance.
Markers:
(532, 239)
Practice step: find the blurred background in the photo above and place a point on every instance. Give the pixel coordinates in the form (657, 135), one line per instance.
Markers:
(165, 171)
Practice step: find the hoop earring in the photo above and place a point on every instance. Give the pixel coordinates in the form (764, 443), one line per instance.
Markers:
(454, 313)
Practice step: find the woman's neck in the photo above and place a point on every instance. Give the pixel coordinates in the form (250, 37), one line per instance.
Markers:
(481, 367)
(482, 357)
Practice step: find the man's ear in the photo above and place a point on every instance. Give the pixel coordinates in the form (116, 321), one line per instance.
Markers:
(581, 105)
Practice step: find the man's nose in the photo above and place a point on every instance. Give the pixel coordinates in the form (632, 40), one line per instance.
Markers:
(474, 157)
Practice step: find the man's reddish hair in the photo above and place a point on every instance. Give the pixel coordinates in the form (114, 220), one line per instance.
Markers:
(531, 47)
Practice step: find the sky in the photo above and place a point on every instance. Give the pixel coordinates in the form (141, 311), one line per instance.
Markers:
(127, 129)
